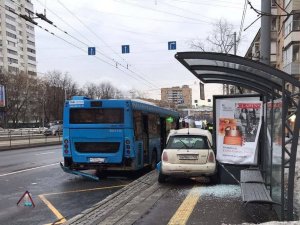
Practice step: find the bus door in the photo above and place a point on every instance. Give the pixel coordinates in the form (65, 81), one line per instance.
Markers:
(145, 138)
(163, 134)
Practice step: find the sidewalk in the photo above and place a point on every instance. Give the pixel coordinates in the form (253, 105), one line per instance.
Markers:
(125, 206)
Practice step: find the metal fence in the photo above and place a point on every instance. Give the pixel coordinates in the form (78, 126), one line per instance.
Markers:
(14, 138)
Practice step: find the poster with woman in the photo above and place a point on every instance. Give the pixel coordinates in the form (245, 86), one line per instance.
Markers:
(238, 125)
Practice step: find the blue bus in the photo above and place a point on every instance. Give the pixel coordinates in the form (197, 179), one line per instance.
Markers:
(114, 134)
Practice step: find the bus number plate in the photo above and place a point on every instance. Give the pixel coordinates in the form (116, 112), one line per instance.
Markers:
(97, 160)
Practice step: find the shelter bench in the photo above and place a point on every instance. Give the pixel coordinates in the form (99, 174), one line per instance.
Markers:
(253, 189)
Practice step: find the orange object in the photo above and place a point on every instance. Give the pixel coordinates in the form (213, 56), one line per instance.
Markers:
(231, 140)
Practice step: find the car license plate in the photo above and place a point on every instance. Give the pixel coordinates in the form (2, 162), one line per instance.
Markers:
(188, 157)
(97, 160)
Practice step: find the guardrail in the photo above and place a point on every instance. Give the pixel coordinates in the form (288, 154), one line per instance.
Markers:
(14, 138)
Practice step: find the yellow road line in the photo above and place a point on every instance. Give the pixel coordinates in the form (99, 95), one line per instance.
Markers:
(183, 213)
(56, 212)
(84, 190)
(53, 209)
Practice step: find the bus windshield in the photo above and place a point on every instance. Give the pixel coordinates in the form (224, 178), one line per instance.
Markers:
(96, 115)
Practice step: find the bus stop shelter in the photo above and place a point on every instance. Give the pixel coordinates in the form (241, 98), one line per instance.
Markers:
(280, 95)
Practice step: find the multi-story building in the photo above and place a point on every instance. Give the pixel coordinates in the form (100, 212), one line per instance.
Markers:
(177, 95)
(285, 38)
(291, 43)
(17, 38)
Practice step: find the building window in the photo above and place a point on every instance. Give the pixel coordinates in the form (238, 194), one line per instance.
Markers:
(11, 35)
(30, 43)
(10, 17)
(296, 22)
(273, 24)
(9, 8)
(11, 27)
(296, 51)
(29, 27)
(11, 60)
(31, 58)
(31, 50)
(10, 43)
(12, 52)
(12, 69)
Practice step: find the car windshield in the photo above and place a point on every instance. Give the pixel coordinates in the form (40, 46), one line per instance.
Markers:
(187, 142)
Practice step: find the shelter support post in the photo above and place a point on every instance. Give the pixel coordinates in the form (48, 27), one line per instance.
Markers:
(292, 158)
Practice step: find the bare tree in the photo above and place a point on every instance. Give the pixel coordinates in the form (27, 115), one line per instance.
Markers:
(104, 90)
(20, 92)
(220, 39)
(58, 87)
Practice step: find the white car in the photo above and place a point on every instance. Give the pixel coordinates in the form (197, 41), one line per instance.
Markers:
(188, 154)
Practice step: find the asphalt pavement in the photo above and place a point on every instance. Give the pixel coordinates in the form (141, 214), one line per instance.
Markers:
(57, 196)
(180, 201)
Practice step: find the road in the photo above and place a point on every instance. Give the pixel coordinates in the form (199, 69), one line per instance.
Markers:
(56, 195)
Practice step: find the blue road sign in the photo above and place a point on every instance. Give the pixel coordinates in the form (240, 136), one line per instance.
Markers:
(125, 49)
(91, 50)
(171, 45)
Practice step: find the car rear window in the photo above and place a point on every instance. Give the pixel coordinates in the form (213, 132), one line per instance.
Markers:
(187, 142)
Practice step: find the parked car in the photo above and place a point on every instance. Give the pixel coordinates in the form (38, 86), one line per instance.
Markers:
(54, 130)
(188, 153)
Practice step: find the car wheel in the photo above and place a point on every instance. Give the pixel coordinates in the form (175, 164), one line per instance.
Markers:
(161, 178)
(153, 160)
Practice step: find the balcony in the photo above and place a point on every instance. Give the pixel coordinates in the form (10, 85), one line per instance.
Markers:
(292, 68)
(293, 5)
(294, 36)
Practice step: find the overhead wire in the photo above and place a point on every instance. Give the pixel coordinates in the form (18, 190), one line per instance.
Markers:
(72, 44)
(62, 20)
(164, 12)
(115, 62)
(261, 13)
(102, 40)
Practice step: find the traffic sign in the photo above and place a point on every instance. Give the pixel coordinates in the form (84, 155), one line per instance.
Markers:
(91, 50)
(172, 45)
(125, 49)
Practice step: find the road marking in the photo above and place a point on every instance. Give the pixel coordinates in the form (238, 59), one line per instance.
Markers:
(184, 211)
(60, 217)
(45, 153)
(21, 171)
(84, 190)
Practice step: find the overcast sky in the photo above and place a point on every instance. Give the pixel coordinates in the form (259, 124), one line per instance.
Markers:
(145, 25)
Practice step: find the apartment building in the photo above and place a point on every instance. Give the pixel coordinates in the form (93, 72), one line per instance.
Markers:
(17, 38)
(180, 96)
(285, 38)
(291, 42)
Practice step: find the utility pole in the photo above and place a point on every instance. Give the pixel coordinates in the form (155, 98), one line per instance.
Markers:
(265, 32)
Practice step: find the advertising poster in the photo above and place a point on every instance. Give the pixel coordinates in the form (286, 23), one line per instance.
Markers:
(238, 124)
(2, 96)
